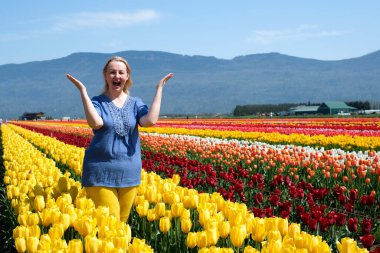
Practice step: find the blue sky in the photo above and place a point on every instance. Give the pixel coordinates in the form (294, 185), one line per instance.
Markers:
(325, 30)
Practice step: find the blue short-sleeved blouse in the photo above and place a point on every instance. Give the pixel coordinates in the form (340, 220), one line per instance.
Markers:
(113, 158)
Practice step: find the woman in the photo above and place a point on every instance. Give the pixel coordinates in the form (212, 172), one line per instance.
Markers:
(112, 163)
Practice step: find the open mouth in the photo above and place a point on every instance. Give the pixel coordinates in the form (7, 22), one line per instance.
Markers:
(116, 83)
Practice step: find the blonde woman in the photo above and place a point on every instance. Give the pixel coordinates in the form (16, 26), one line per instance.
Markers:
(112, 163)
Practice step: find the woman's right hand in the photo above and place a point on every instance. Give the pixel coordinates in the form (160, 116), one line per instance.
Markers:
(76, 82)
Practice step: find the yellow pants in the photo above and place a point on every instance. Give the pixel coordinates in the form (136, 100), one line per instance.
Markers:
(119, 200)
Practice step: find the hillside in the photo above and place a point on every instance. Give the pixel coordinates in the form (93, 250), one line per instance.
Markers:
(201, 84)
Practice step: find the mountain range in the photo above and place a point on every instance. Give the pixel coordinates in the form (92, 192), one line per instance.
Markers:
(201, 84)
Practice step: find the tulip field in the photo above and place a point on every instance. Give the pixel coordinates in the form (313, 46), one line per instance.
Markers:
(208, 185)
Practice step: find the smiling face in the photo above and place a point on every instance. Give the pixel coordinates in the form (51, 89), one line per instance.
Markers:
(116, 74)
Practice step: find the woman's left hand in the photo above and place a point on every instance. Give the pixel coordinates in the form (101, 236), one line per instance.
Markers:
(163, 81)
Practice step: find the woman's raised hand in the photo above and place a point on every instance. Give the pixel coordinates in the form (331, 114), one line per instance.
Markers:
(162, 82)
(76, 82)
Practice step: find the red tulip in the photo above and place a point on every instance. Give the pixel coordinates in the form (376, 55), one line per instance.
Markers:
(367, 240)
(366, 226)
(352, 224)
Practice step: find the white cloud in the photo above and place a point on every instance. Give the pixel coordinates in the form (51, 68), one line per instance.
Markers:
(101, 20)
(301, 32)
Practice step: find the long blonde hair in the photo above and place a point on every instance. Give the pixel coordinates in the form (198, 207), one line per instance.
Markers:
(129, 81)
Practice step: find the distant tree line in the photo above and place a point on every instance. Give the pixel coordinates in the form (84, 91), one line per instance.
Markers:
(245, 110)
(360, 105)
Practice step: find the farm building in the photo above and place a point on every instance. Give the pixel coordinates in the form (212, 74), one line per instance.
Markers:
(303, 109)
(335, 107)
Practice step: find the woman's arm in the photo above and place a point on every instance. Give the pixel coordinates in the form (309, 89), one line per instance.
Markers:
(92, 116)
(151, 117)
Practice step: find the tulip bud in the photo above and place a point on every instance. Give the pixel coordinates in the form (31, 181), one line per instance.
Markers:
(283, 226)
(20, 244)
(151, 215)
(34, 231)
(212, 236)
(258, 230)
(33, 219)
(191, 240)
(202, 239)
(39, 203)
(75, 246)
(142, 209)
(165, 224)
(186, 225)
(91, 244)
(23, 219)
(19, 231)
(238, 235)
(32, 244)
(177, 209)
(294, 229)
(160, 209)
(45, 242)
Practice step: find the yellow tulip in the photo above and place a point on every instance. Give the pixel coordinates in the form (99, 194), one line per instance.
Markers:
(202, 239)
(258, 230)
(186, 225)
(212, 236)
(85, 225)
(121, 242)
(45, 242)
(271, 224)
(165, 224)
(23, 219)
(151, 215)
(294, 229)
(15, 192)
(139, 246)
(33, 219)
(235, 218)
(45, 216)
(274, 235)
(142, 209)
(185, 214)
(75, 246)
(39, 203)
(20, 244)
(176, 179)
(238, 234)
(65, 220)
(56, 231)
(160, 209)
(346, 245)
(250, 249)
(224, 229)
(91, 244)
(58, 245)
(283, 226)
(191, 240)
(19, 231)
(301, 240)
(204, 215)
(177, 209)
(34, 231)
(150, 194)
(32, 244)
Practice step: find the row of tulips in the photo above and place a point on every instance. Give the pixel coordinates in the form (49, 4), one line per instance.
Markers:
(349, 139)
(54, 214)
(364, 123)
(315, 217)
(283, 129)
(207, 221)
